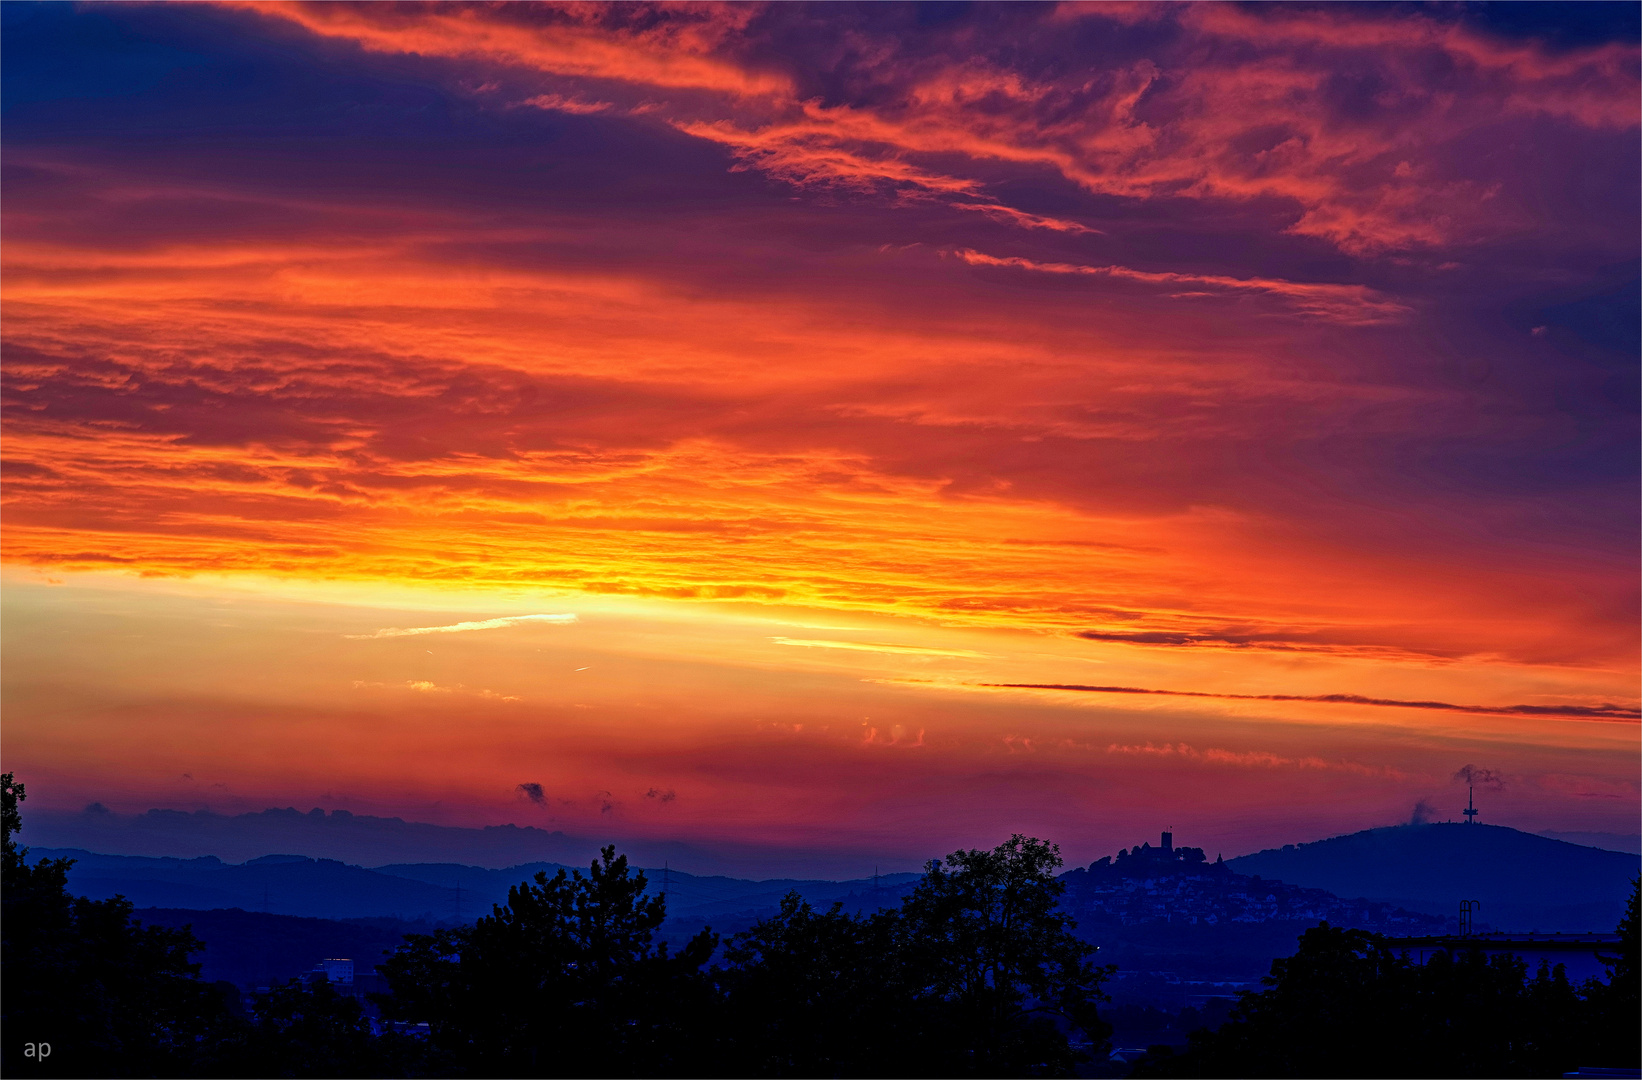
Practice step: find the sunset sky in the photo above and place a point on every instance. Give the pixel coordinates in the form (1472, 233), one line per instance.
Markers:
(772, 426)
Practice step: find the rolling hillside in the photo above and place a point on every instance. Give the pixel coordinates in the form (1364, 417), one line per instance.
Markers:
(435, 892)
(1523, 881)
(278, 884)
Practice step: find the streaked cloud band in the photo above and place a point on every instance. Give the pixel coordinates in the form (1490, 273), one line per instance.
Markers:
(873, 646)
(463, 627)
(1577, 712)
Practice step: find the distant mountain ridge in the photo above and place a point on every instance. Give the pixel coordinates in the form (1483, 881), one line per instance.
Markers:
(340, 835)
(1523, 881)
(278, 884)
(1629, 843)
(1178, 926)
(295, 885)
(689, 896)
(368, 840)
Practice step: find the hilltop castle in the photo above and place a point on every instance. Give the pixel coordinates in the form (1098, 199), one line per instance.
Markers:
(1144, 860)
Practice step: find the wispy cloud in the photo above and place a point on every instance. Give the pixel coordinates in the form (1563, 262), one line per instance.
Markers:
(423, 686)
(1575, 712)
(874, 646)
(462, 627)
(1231, 106)
(1250, 759)
(1355, 304)
(571, 104)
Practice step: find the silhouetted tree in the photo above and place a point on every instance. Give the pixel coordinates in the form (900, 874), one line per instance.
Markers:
(977, 973)
(985, 934)
(564, 979)
(1616, 1023)
(819, 994)
(307, 1029)
(111, 996)
(1346, 1004)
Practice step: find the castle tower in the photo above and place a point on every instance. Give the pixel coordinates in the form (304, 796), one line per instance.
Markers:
(1168, 841)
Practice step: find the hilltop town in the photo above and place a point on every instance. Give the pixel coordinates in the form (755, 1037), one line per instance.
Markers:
(1178, 885)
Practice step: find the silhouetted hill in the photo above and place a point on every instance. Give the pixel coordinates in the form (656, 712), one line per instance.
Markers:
(1523, 881)
(437, 892)
(1630, 843)
(1182, 929)
(367, 840)
(352, 838)
(280, 884)
(689, 896)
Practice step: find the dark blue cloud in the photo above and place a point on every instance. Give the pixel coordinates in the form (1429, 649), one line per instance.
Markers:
(56, 52)
(1560, 24)
(1609, 318)
(215, 97)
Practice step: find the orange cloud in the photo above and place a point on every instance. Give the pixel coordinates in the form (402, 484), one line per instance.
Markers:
(583, 40)
(873, 646)
(462, 627)
(208, 373)
(372, 412)
(1252, 759)
(1075, 351)
(1606, 711)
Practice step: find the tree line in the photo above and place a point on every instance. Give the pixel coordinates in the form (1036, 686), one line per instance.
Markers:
(976, 973)
(1347, 1004)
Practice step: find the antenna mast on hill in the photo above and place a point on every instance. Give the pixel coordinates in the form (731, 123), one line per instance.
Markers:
(1470, 803)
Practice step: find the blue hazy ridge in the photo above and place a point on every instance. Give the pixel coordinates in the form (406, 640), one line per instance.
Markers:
(1182, 930)
(1523, 881)
(280, 884)
(441, 893)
